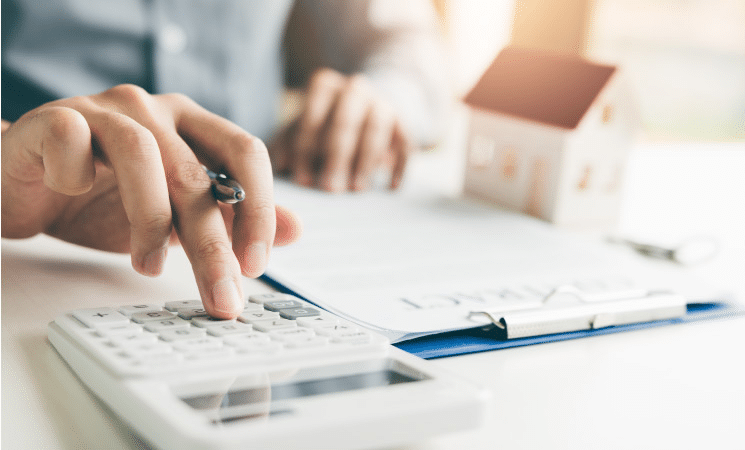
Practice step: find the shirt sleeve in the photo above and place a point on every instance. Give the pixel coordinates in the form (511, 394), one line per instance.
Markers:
(399, 46)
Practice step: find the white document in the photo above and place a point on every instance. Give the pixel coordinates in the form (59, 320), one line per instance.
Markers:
(411, 264)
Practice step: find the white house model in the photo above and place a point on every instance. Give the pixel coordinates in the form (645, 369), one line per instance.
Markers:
(548, 136)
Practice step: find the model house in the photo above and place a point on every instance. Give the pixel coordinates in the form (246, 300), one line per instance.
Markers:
(548, 136)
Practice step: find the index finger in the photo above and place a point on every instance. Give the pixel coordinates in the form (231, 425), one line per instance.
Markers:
(231, 150)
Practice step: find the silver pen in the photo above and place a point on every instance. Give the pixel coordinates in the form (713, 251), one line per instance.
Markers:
(224, 189)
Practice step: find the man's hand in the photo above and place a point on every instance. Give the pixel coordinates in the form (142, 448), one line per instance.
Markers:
(344, 133)
(122, 171)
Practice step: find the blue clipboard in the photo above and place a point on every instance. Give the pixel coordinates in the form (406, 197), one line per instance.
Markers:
(484, 338)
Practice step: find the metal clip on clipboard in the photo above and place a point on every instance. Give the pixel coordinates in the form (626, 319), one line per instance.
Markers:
(622, 309)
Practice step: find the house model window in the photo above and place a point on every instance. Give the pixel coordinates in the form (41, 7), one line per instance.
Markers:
(558, 128)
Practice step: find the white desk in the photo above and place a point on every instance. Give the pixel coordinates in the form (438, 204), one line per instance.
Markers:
(677, 387)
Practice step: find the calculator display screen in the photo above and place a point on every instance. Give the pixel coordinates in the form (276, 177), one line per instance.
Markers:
(253, 398)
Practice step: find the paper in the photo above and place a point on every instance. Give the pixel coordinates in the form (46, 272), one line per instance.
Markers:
(413, 264)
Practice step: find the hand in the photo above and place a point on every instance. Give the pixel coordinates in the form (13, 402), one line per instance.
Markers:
(342, 136)
(121, 171)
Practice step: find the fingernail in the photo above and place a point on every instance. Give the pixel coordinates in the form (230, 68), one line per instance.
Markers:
(226, 298)
(256, 259)
(152, 264)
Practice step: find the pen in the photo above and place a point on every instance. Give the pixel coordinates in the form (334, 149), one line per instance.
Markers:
(224, 189)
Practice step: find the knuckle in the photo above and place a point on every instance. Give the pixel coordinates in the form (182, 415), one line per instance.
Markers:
(154, 226)
(247, 146)
(212, 248)
(138, 142)
(188, 178)
(130, 95)
(261, 208)
(65, 125)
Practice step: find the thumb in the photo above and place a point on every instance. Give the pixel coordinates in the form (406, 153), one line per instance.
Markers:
(48, 149)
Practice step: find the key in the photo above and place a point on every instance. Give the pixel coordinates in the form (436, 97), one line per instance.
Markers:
(203, 343)
(278, 305)
(263, 298)
(128, 310)
(175, 306)
(134, 340)
(288, 334)
(125, 328)
(294, 313)
(317, 321)
(190, 313)
(333, 330)
(168, 324)
(251, 307)
(182, 333)
(271, 325)
(307, 342)
(246, 340)
(258, 315)
(207, 321)
(100, 317)
(152, 315)
(227, 329)
(352, 337)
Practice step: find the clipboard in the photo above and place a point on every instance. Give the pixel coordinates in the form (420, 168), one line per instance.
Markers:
(629, 313)
(485, 339)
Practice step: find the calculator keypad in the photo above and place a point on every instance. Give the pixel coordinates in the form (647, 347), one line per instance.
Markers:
(179, 335)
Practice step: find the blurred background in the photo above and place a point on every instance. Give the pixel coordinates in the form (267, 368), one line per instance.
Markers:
(685, 59)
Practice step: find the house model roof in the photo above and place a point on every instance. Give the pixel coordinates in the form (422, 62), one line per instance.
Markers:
(549, 88)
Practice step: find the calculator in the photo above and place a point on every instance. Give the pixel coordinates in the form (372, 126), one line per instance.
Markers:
(283, 375)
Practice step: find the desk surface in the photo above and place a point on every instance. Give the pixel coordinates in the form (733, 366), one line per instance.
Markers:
(672, 387)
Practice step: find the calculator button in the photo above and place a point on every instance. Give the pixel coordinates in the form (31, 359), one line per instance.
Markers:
(317, 321)
(333, 330)
(167, 324)
(207, 321)
(289, 334)
(250, 307)
(295, 313)
(258, 315)
(227, 329)
(100, 317)
(152, 315)
(133, 340)
(128, 310)
(175, 306)
(277, 305)
(181, 334)
(271, 325)
(190, 313)
(352, 337)
(198, 344)
(246, 340)
(263, 298)
(125, 328)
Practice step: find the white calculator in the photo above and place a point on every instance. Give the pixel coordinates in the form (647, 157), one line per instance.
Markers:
(284, 375)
